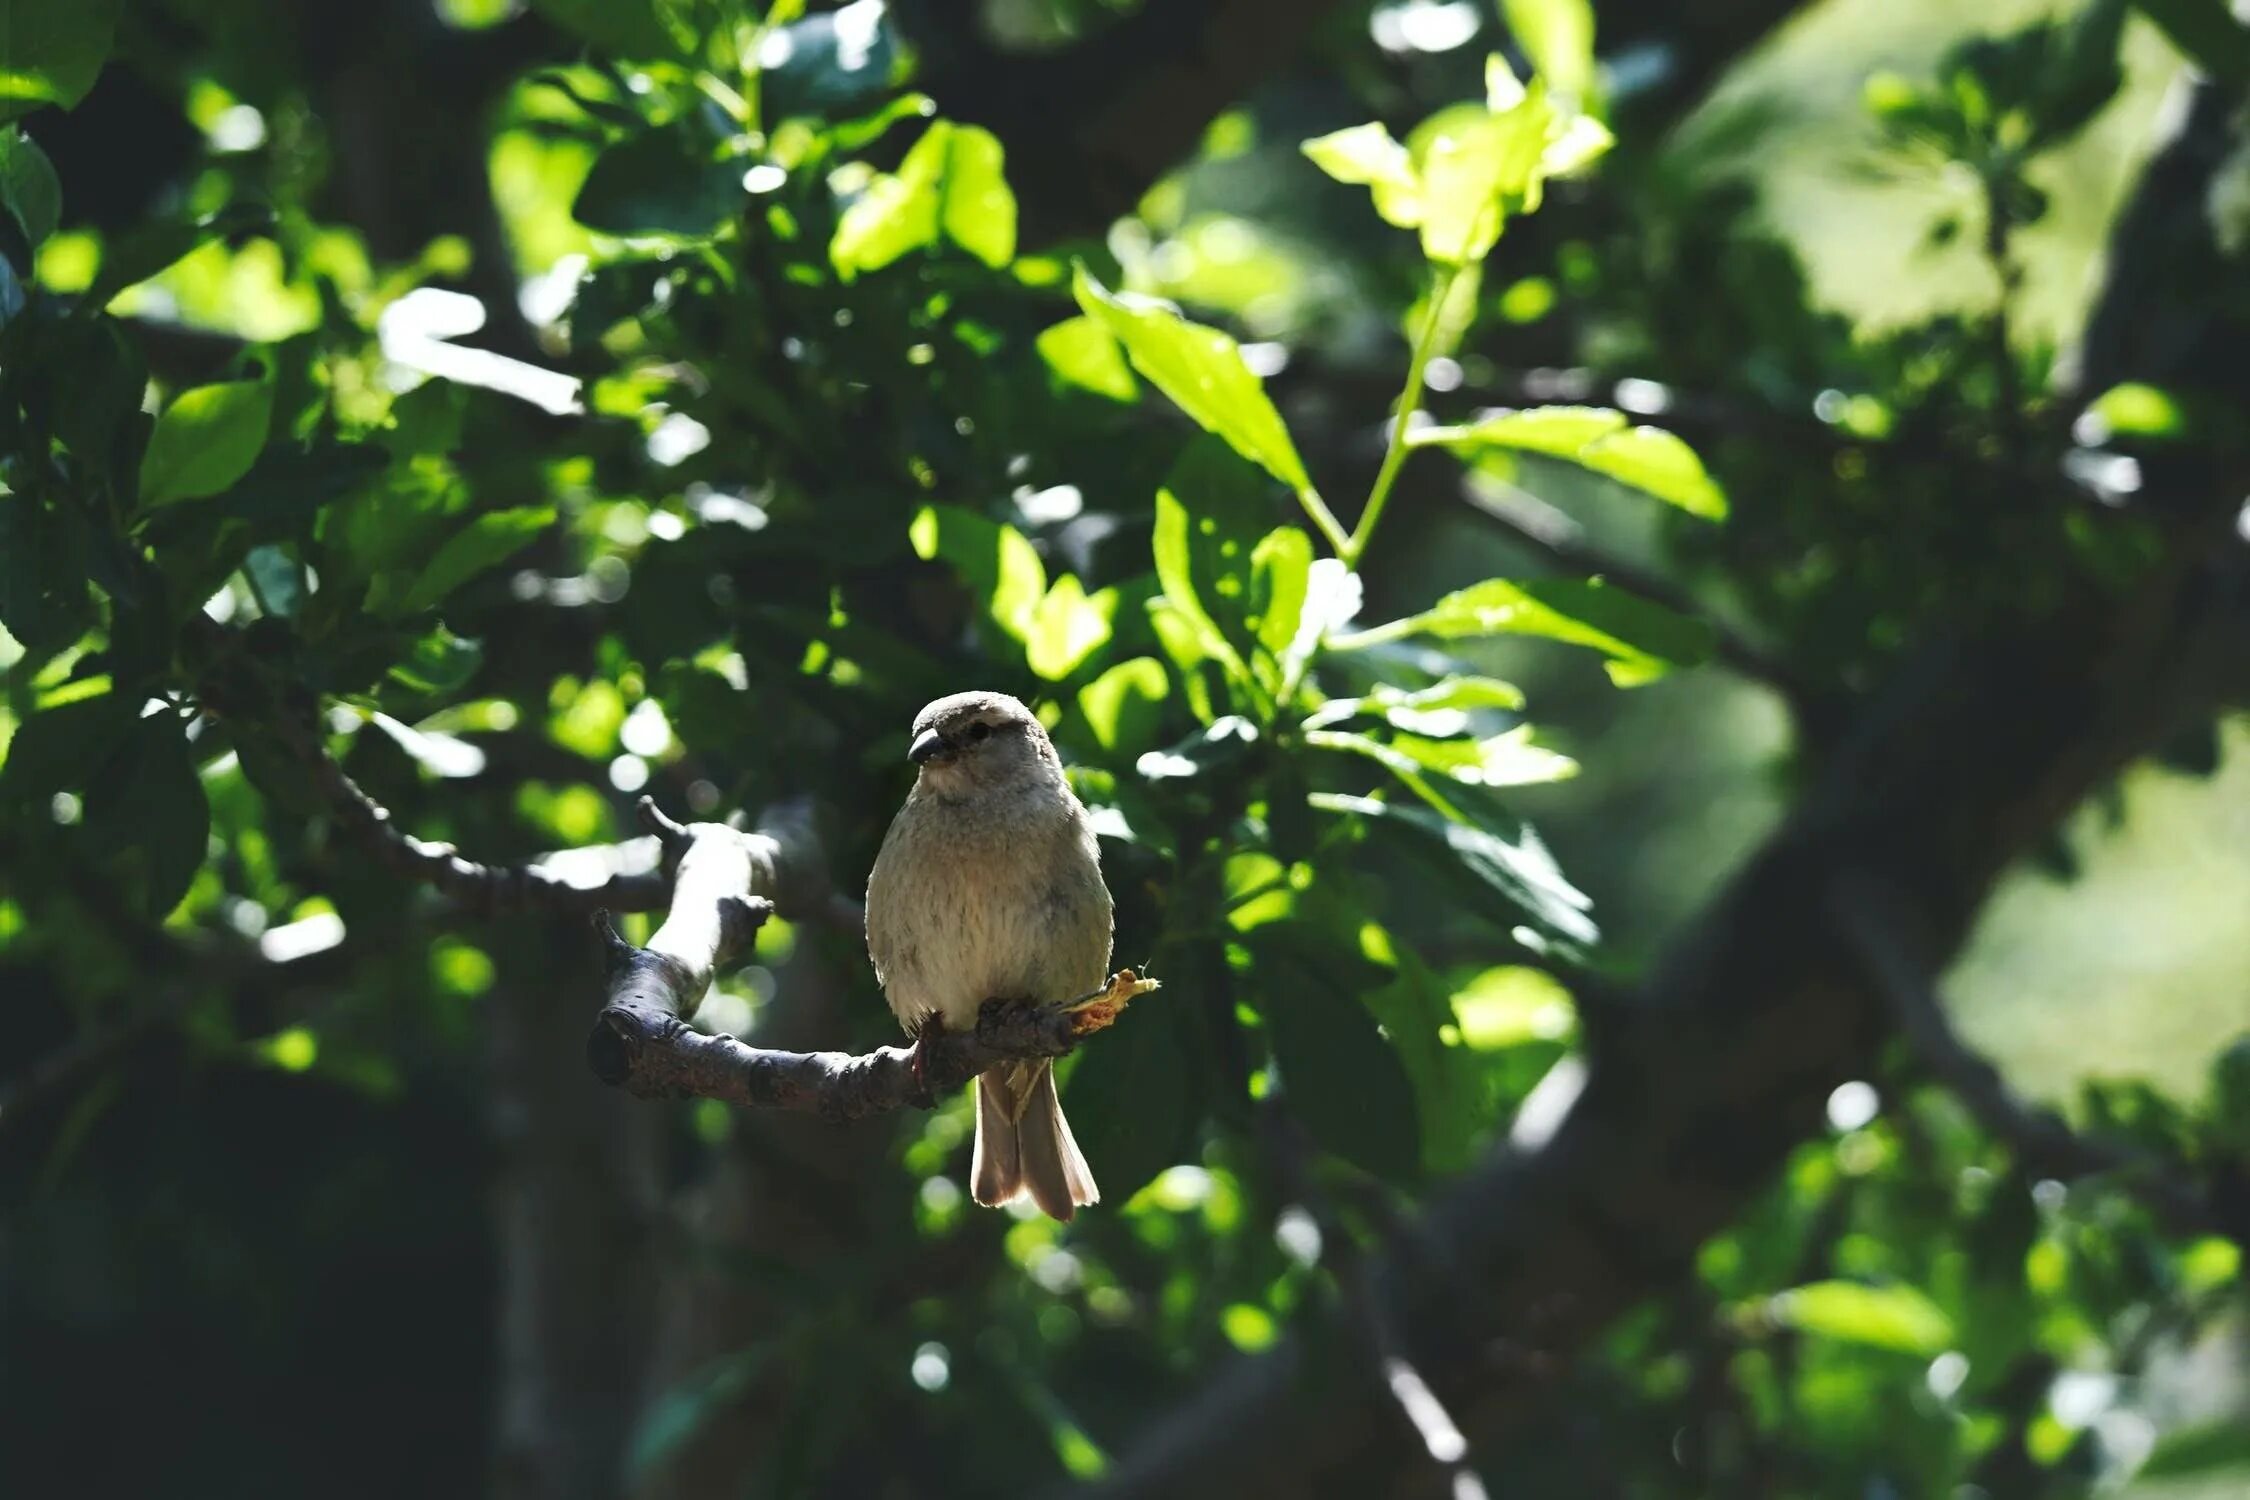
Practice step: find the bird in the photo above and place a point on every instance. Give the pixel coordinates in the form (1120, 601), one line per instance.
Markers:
(989, 887)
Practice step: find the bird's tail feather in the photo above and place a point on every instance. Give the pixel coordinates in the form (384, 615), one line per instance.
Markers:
(1024, 1144)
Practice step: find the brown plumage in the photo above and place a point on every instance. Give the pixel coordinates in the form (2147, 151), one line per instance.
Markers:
(989, 887)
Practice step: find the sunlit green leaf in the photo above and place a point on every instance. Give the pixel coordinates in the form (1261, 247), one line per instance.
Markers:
(1642, 639)
(205, 440)
(1454, 1110)
(1085, 353)
(1647, 458)
(485, 542)
(997, 563)
(1122, 705)
(950, 182)
(1514, 877)
(1558, 37)
(1507, 759)
(2136, 409)
(977, 210)
(50, 52)
(1280, 571)
(1067, 627)
(1440, 710)
(1886, 1317)
(1367, 154)
(1511, 1005)
(1202, 370)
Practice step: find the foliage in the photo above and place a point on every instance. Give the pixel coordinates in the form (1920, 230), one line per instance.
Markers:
(843, 444)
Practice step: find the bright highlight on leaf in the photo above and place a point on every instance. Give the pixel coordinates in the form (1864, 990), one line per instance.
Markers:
(1647, 458)
(1643, 640)
(1202, 370)
(1466, 170)
(950, 184)
(1887, 1317)
(1085, 353)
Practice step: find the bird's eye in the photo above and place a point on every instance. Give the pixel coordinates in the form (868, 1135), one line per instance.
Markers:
(979, 732)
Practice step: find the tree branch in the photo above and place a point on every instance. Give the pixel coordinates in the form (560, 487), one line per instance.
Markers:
(634, 884)
(1870, 917)
(728, 883)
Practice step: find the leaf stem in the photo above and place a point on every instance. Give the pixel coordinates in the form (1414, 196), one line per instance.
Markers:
(1325, 522)
(1409, 402)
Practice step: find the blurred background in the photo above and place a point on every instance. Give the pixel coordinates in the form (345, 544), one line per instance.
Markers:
(304, 1185)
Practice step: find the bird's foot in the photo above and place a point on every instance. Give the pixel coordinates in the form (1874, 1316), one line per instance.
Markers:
(933, 1026)
(1097, 1011)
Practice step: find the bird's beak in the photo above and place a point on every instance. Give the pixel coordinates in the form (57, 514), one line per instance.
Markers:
(927, 746)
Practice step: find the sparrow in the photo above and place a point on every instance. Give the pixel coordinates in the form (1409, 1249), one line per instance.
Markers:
(989, 887)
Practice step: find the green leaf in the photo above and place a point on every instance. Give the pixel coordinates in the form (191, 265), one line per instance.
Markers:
(1280, 573)
(1475, 171)
(1086, 354)
(1414, 1012)
(487, 541)
(2136, 410)
(1338, 1074)
(29, 190)
(997, 563)
(1134, 1097)
(57, 749)
(205, 440)
(978, 212)
(1513, 878)
(2206, 1448)
(1643, 640)
(1510, 1006)
(950, 182)
(662, 183)
(1884, 1317)
(893, 217)
(829, 63)
(1122, 706)
(154, 247)
(43, 590)
(147, 807)
(1440, 710)
(620, 28)
(2207, 33)
(1558, 37)
(1067, 627)
(1202, 370)
(51, 52)
(1222, 743)
(1367, 154)
(439, 662)
(1646, 458)
(1508, 759)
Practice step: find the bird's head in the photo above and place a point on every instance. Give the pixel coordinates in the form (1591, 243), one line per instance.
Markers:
(970, 742)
